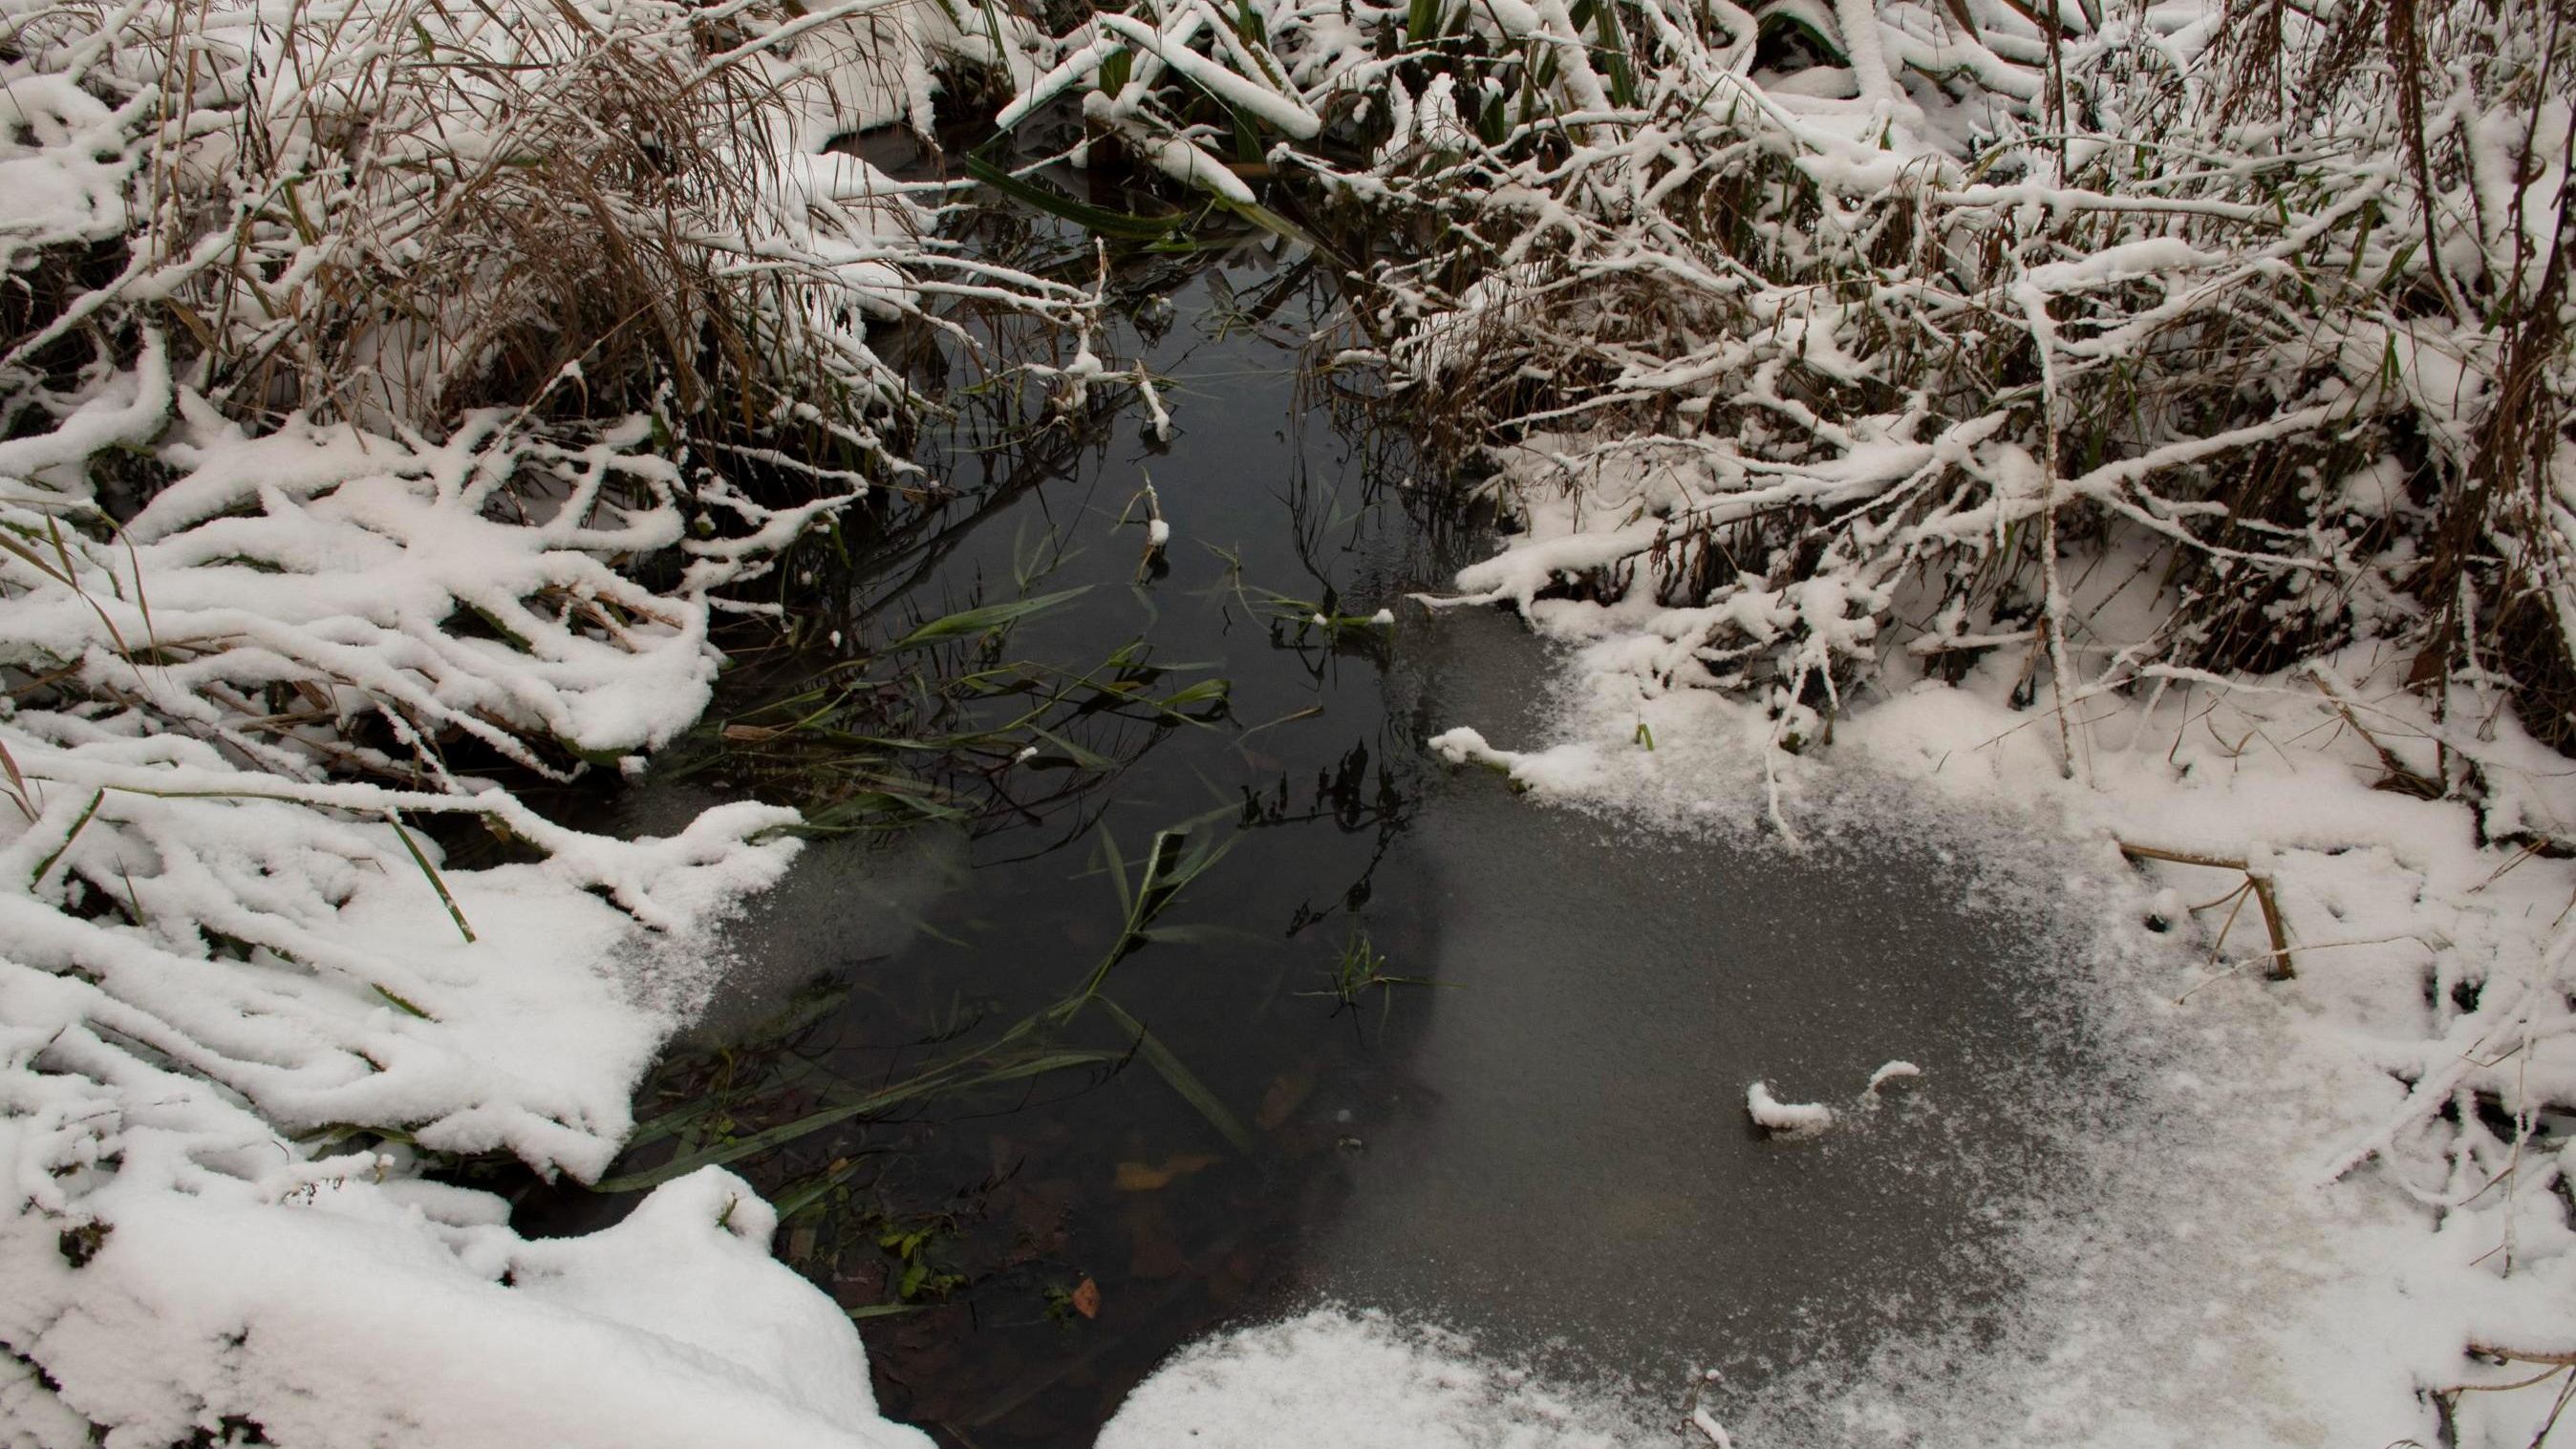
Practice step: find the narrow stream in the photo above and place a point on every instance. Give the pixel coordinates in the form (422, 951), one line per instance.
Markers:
(1547, 1146)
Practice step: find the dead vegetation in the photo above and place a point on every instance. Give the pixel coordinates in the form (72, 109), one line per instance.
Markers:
(2255, 328)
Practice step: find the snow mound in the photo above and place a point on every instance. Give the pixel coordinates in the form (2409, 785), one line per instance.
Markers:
(1358, 1380)
(356, 1312)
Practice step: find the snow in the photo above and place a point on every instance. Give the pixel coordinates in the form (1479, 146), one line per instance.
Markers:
(1284, 113)
(245, 999)
(1358, 1379)
(1891, 1072)
(1789, 1119)
(353, 1313)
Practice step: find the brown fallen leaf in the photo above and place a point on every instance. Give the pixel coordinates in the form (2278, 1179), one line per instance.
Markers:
(1137, 1177)
(1288, 1092)
(1086, 1299)
(743, 734)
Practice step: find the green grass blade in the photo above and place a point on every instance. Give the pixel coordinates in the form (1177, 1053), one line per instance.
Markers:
(1101, 220)
(968, 622)
(417, 858)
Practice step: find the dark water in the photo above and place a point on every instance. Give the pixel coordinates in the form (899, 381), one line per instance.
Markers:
(1548, 1147)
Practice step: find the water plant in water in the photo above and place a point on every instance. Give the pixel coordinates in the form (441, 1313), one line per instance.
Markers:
(1034, 1046)
(940, 725)
(1358, 969)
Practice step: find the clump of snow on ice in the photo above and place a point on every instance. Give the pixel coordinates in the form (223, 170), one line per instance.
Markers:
(1787, 1119)
(1465, 745)
(1892, 1071)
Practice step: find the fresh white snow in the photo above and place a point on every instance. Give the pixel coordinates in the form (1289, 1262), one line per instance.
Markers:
(1789, 1119)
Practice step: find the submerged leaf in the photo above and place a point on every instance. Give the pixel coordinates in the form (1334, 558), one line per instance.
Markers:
(1139, 1177)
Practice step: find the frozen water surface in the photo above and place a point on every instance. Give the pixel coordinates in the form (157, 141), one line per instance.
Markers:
(1568, 1159)
(1549, 1148)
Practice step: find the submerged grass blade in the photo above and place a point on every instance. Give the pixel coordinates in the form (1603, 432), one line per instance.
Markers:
(1181, 1078)
(1117, 867)
(948, 1077)
(789, 1204)
(785, 1132)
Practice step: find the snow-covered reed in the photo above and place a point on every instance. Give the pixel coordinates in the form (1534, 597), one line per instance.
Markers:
(385, 211)
(375, 374)
(1840, 331)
